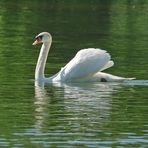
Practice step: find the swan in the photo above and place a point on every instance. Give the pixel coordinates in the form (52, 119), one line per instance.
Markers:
(86, 66)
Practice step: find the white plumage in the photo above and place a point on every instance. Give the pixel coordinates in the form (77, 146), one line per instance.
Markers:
(87, 65)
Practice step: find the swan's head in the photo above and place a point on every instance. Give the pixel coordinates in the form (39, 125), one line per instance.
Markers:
(42, 38)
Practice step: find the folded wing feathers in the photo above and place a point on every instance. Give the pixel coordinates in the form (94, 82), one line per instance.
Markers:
(87, 62)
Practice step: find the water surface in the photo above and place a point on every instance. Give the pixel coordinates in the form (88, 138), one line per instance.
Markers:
(79, 114)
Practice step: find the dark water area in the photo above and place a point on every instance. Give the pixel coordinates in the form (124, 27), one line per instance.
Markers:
(79, 114)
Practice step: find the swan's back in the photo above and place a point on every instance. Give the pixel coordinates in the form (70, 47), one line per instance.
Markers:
(86, 63)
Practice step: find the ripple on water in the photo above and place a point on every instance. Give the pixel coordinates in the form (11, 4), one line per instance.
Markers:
(136, 82)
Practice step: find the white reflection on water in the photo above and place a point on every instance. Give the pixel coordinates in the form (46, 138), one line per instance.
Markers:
(75, 114)
(80, 101)
(41, 101)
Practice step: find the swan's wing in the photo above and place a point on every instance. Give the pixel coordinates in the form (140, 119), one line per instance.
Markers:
(108, 65)
(86, 62)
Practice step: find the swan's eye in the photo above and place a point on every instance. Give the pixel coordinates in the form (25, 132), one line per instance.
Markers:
(39, 38)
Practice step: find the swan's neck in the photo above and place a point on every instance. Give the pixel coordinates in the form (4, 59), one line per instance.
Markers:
(40, 67)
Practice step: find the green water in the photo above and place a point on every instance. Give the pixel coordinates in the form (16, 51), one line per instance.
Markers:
(73, 115)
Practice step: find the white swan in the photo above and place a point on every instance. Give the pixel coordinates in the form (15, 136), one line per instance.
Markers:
(85, 66)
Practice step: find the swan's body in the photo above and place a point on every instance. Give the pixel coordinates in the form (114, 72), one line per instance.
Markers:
(87, 65)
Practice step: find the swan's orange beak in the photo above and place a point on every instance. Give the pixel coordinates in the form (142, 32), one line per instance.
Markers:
(37, 41)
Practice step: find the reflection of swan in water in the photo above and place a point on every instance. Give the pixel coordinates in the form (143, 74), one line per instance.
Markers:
(79, 101)
(41, 105)
(91, 99)
(87, 65)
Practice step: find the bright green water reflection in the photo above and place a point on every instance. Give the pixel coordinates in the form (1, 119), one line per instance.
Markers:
(73, 115)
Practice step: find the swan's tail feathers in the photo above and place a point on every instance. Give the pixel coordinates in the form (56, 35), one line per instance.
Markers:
(117, 78)
(130, 78)
(105, 77)
(108, 65)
